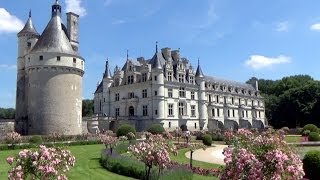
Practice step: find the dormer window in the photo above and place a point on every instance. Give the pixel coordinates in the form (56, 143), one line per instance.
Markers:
(58, 58)
(29, 44)
(40, 58)
(169, 76)
(191, 81)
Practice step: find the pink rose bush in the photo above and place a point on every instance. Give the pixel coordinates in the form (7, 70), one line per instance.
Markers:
(13, 138)
(260, 156)
(45, 163)
(108, 141)
(154, 151)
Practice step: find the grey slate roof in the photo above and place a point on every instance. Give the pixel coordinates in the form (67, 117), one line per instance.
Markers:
(228, 82)
(54, 39)
(107, 72)
(199, 72)
(155, 61)
(28, 28)
(99, 88)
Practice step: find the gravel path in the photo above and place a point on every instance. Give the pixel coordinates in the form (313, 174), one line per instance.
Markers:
(210, 155)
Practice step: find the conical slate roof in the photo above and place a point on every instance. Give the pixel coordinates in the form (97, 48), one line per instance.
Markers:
(54, 38)
(155, 61)
(107, 73)
(199, 72)
(28, 28)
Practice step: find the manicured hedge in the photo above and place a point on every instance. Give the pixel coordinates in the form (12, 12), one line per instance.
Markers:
(310, 127)
(311, 164)
(124, 129)
(314, 136)
(36, 139)
(207, 140)
(156, 129)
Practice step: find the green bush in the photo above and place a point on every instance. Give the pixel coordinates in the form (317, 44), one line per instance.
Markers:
(314, 136)
(124, 129)
(156, 129)
(36, 139)
(122, 147)
(310, 127)
(207, 140)
(311, 164)
(217, 137)
(176, 174)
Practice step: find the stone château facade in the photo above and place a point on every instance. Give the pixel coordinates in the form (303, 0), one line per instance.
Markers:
(166, 89)
(49, 77)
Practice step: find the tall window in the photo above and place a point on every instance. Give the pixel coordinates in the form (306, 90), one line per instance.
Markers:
(217, 99)
(192, 95)
(209, 97)
(155, 78)
(170, 93)
(169, 76)
(193, 110)
(131, 95)
(232, 112)
(117, 97)
(130, 79)
(228, 113)
(246, 113)
(156, 93)
(182, 92)
(145, 110)
(181, 78)
(218, 112)
(181, 108)
(242, 113)
(213, 112)
(144, 77)
(191, 80)
(117, 112)
(170, 109)
(232, 100)
(144, 93)
(169, 124)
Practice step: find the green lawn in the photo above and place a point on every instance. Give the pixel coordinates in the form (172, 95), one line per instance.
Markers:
(87, 164)
(293, 138)
(304, 149)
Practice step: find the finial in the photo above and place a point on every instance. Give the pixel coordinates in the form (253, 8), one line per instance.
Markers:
(56, 2)
(127, 54)
(30, 13)
(156, 46)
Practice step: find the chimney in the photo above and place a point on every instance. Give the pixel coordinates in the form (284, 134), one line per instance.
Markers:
(176, 54)
(73, 29)
(166, 52)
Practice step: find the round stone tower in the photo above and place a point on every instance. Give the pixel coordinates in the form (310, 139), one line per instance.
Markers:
(55, 70)
(203, 119)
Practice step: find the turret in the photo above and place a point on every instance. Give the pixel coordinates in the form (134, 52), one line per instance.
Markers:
(202, 98)
(157, 86)
(56, 9)
(107, 82)
(27, 38)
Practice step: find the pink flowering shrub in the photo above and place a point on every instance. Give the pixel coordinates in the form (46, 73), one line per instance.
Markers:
(13, 138)
(45, 163)
(154, 151)
(261, 156)
(108, 141)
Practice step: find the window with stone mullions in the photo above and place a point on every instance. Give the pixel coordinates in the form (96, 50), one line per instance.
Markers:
(170, 109)
(170, 93)
(117, 112)
(181, 108)
(144, 93)
(130, 79)
(181, 78)
(192, 95)
(144, 77)
(117, 97)
(182, 92)
(145, 110)
(193, 110)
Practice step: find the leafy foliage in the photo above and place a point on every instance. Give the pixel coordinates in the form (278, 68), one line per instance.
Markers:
(87, 107)
(124, 129)
(310, 127)
(292, 101)
(314, 136)
(207, 140)
(7, 113)
(311, 164)
(156, 129)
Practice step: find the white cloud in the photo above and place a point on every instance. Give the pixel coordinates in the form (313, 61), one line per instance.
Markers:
(259, 61)
(9, 23)
(282, 26)
(118, 21)
(315, 27)
(7, 66)
(75, 6)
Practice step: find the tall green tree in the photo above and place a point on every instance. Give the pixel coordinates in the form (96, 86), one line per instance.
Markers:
(87, 107)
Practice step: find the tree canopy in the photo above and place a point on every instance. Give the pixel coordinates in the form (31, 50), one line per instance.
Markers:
(7, 113)
(87, 107)
(292, 101)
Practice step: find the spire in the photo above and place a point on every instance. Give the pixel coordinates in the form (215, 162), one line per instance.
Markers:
(107, 73)
(56, 9)
(156, 46)
(28, 27)
(199, 72)
(127, 54)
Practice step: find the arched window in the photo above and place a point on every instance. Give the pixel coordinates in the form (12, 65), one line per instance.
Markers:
(131, 111)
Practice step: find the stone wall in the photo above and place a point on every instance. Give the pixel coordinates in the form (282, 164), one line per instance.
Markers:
(6, 125)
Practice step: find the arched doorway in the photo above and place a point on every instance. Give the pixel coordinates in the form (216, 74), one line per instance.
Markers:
(131, 111)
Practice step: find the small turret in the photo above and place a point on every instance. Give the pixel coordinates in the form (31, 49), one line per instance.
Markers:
(107, 72)
(56, 9)
(199, 73)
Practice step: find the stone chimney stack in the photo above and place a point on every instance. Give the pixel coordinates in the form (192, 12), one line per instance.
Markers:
(176, 55)
(73, 29)
(166, 52)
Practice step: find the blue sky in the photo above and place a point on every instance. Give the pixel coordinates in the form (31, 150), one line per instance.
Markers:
(233, 39)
